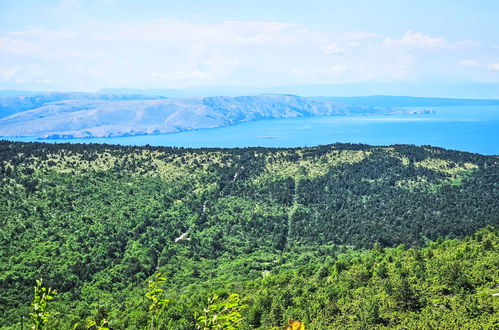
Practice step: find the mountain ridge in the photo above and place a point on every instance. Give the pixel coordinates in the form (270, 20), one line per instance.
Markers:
(415, 89)
(108, 115)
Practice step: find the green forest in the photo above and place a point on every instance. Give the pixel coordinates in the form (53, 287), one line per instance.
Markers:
(343, 236)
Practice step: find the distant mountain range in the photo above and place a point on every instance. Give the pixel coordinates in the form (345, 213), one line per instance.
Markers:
(417, 89)
(409, 101)
(79, 115)
(470, 90)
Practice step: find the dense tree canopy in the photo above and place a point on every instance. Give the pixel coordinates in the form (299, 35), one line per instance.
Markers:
(96, 221)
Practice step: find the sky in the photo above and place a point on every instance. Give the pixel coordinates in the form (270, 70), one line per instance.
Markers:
(86, 45)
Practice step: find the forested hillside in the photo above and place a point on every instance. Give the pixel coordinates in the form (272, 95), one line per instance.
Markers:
(284, 228)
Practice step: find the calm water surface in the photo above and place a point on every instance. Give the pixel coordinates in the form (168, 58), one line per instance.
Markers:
(474, 129)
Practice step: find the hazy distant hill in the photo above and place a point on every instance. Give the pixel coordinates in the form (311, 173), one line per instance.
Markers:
(76, 115)
(409, 101)
(420, 89)
(12, 102)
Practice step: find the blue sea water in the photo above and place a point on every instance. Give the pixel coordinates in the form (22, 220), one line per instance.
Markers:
(466, 128)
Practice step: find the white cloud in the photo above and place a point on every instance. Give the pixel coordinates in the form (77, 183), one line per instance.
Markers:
(297, 72)
(176, 54)
(470, 63)
(251, 32)
(28, 73)
(264, 33)
(184, 75)
(332, 73)
(171, 51)
(7, 75)
(68, 3)
(338, 69)
(16, 46)
(494, 67)
(210, 69)
(333, 49)
(261, 39)
(43, 81)
(415, 40)
(464, 44)
(362, 36)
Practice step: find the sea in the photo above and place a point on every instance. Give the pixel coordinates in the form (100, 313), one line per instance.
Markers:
(466, 128)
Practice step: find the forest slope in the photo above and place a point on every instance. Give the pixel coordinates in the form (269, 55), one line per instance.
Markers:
(97, 220)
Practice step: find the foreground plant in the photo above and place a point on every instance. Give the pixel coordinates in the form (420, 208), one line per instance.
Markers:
(154, 294)
(223, 315)
(97, 325)
(40, 315)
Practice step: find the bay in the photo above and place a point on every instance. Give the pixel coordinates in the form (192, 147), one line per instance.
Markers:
(465, 128)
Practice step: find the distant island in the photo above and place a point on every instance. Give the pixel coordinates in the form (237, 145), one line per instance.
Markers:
(90, 115)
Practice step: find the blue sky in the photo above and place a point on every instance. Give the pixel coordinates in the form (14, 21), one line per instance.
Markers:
(87, 44)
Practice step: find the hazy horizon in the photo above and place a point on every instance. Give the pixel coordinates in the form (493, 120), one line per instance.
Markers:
(360, 89)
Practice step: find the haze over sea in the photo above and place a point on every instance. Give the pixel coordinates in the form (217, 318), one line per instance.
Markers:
(466, 128)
